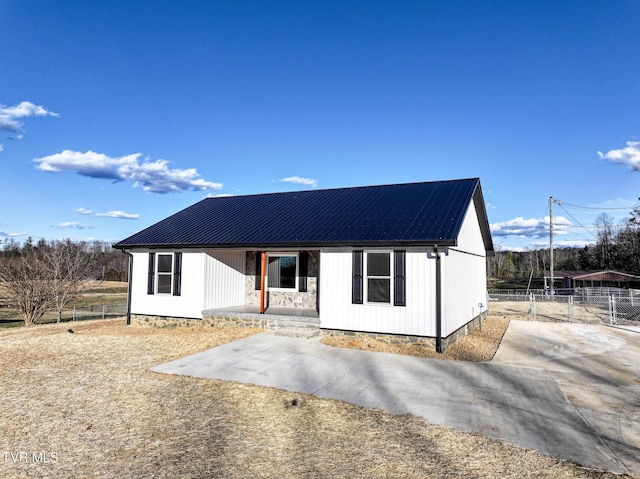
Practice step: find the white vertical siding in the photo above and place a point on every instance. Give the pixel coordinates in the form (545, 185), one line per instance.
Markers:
(463, 288)
(464, 280)
(211, 279)
(337, 312)
(470, 237)
(224, 278)
(187, 305)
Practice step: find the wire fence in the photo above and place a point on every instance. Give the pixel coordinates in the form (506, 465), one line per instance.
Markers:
(98, 311)
(580, 306)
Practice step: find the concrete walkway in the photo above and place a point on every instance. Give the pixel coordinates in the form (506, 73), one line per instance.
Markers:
(570, 391)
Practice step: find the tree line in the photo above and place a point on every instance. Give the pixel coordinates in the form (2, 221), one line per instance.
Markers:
(38, 277)
(615, 248)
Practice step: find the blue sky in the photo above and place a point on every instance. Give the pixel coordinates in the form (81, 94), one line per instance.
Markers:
(114, 115)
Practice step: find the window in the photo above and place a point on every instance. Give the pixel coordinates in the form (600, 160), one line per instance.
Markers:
(165, 273)
(379, 276)
(282, 271)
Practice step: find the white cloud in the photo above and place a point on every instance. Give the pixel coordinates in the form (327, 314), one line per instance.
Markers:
(120, 215)
(10, 116)
(300, 181)
(151, 176)
(515, 244)
(74, 225)
(109, 214)
(531, 227)
(221, 195)
(629, 156)
(569, 243)
(1, 148)
(10, 235)
(91, 164)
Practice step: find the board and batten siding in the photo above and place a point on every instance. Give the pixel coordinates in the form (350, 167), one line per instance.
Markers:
(187, 305)
(464, 287)
(224, 278)
(338, 312)
(464, 276)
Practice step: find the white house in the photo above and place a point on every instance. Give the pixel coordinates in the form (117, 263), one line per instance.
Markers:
(407, 261)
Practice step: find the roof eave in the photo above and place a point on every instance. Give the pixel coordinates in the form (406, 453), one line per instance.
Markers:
(483, 219)
(292, 245)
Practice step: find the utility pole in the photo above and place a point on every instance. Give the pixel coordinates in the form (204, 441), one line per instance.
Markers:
(551, 243)
(551, 202)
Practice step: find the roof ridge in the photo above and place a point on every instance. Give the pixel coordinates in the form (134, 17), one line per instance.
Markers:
(336, 188)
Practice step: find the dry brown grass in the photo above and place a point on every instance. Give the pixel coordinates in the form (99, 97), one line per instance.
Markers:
(476, 346)
(90, 398)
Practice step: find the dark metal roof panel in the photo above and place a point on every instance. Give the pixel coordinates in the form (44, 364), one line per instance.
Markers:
(421, 213)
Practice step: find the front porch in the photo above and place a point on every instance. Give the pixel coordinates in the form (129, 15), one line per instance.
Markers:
(292, 322)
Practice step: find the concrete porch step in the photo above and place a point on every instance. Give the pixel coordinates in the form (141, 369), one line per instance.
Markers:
(298, 329)
(297, 333)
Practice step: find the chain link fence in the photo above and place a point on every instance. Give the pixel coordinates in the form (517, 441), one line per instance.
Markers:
(581, 306)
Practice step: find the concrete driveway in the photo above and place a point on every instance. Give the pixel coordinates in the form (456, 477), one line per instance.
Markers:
(570, 391)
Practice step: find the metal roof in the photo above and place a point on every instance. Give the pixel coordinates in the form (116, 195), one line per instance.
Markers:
(402, 214)
(602, 275)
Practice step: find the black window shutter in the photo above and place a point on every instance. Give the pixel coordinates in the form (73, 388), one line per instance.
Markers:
(177, 274)
(151, 275)
(400, 281)
(258, 270)
(303, 268)
(357, 284)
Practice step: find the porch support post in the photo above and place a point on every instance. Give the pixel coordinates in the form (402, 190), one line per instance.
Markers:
(263, 270)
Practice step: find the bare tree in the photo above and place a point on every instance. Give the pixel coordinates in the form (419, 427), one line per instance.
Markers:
(606, 240)
(27, 284)
(70, 265)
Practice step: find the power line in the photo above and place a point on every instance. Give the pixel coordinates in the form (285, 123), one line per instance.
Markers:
(593, 227)
(594, 208)
(574, 219)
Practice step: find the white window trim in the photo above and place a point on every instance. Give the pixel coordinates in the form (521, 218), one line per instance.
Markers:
(366, 277)
(158, 274)
(266, 279)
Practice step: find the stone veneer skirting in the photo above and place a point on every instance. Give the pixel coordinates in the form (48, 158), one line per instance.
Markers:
(405, 339)
(169, 321)
(268, 322)
(400, 339)
(462, 331)
(221, 319)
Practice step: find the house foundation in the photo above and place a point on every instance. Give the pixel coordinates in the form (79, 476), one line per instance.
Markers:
(405, 339)
(307, 326)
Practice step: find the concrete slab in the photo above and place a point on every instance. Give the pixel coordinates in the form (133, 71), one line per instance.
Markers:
(596, 367)
(531, 395)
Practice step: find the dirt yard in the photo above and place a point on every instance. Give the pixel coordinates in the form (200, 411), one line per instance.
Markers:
(84, 404)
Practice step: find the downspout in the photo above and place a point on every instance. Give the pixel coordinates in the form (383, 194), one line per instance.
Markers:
(129, 286)
(439, 346)
(263, 270)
